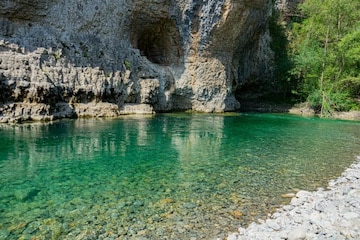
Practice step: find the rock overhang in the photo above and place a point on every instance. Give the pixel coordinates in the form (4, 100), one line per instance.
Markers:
(191, 49)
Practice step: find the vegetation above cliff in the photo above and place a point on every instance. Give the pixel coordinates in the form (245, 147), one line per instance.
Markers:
(323, 55)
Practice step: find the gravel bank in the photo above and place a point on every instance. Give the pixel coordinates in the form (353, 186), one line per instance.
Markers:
(324, 214)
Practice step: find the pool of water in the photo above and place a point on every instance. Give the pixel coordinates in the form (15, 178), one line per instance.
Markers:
(173, 176)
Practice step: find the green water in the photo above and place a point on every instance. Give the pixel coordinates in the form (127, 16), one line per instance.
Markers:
(178, 176)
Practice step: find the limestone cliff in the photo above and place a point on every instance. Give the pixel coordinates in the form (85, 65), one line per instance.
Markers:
(67, 58)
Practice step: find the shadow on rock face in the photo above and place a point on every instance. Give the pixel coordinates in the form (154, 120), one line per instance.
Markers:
(159, 41)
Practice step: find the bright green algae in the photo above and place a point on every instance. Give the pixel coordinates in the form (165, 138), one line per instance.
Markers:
(177, 176)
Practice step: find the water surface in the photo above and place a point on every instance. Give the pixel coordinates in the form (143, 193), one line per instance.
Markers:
(174, 176)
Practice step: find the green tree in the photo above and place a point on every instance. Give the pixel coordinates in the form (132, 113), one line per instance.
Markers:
(326, 53)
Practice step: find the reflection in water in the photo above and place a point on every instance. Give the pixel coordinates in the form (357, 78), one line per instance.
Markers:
(168, 176)
(202, 139)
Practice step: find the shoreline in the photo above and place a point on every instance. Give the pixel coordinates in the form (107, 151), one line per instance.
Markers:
(333, 213)
(300, 109)
(17, 113)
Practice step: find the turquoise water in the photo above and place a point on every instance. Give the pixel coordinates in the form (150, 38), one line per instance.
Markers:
(174, 176)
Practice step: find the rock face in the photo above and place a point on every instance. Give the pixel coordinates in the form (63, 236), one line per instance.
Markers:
(287, 7)
(164, 55)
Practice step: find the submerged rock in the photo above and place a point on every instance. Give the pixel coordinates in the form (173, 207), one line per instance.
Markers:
(26, 194)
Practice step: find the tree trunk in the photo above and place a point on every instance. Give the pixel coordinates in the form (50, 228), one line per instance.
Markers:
(324, 106)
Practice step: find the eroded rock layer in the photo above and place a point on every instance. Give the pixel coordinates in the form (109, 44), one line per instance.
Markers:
(159, 54)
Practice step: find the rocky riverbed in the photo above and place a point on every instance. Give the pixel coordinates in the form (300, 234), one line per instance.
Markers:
(325, 214)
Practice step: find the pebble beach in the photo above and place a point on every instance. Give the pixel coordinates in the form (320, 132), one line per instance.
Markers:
(332, 213)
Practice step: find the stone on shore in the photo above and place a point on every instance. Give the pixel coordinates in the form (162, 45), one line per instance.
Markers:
(323, 214)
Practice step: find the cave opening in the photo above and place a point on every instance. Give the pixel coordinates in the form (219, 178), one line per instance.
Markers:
(158, 41)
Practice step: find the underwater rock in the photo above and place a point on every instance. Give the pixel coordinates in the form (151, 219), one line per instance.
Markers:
(26, 194)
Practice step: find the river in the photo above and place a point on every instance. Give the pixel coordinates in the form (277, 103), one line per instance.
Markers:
(166, 176)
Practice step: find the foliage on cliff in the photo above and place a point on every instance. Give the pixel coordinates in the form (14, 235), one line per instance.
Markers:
(325, 51)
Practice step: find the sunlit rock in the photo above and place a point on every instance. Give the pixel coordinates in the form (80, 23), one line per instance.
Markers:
(173, 55)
